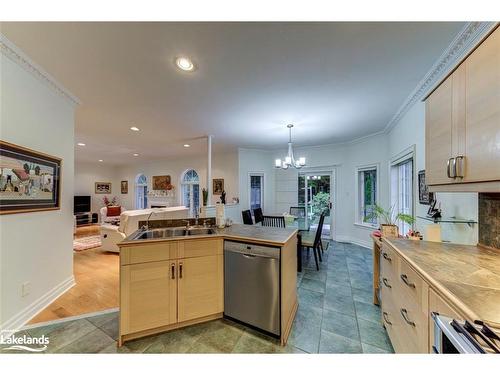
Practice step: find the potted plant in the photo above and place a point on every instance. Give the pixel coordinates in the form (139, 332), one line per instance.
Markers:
(204, 193)
(389, 219)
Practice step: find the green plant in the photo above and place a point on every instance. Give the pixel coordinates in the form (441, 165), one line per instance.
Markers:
(204, 193)
(320, 203)
(389, 216)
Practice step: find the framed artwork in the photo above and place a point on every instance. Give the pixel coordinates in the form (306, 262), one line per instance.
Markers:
(217, 186)
(424, 196)
(103, 187)
(124, 187)
(162, 182)
(29, 180)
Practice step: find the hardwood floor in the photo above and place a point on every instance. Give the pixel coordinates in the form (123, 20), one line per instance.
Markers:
(97, 279)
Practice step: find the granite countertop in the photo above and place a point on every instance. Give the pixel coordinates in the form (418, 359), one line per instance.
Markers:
(251, 233)
(471, 274)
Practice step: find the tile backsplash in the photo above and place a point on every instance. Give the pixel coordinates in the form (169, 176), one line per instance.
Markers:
(489, 219)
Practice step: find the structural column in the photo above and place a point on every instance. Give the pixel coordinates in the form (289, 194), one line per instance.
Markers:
(209, 168)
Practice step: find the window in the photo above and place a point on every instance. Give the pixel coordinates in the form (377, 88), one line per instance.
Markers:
(402, 190)
(256, 191)
(141, 192)
(367, 195)
(190, 187)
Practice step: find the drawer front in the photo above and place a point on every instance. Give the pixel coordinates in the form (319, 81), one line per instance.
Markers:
(412, 285)
(148, 253)
(388, 262)
(415, 328)
(200, 248)
(390, 319)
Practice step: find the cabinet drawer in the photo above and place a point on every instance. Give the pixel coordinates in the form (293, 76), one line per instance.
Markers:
(412, 285)
(390, 319)
(200, 248)
(414, 327)
(388, 262)
(148, 253)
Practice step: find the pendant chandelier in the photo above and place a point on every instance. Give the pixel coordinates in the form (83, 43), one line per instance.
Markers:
(289, 160)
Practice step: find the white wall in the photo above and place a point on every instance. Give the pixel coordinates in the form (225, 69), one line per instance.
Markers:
(87, 174)
(224, 165)
(35, 247)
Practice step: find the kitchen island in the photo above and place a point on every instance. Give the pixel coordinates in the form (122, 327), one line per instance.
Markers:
(176, 280)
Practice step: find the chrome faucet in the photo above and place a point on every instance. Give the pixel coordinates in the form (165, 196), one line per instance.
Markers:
(187, 222)
(196, 219)
(146, 227)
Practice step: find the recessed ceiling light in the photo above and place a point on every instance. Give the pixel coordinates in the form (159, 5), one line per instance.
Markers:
(136, 154)
(80, 144)
(186, 145)
(100, 160)
(184, 63)
(134, 128)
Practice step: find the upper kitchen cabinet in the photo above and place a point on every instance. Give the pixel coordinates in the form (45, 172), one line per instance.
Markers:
(463, 124)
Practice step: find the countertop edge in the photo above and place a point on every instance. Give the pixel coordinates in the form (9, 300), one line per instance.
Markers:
(441, 289)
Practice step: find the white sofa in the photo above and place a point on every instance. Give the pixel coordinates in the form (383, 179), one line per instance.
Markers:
(129, 223)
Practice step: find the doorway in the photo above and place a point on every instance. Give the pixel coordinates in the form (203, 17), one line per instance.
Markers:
(190, 183)
(315, 194)
(141, 192)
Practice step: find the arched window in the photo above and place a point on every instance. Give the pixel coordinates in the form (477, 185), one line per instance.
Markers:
(141, 192)
(190, 186)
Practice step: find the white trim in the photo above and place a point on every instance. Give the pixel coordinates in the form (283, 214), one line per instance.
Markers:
(13, 52)
(20, 319)
(355, 241)
(403, 155)
(71, 318)
(366, 225)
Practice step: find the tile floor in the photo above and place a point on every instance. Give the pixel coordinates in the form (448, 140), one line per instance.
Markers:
(335, 315)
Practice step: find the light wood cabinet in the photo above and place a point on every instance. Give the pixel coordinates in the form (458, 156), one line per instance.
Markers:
(200, 286)
(438, 305)
(169, 284)
(148, 296)
(463, 124)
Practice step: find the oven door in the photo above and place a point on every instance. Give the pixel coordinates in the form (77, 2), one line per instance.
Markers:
(447, 340)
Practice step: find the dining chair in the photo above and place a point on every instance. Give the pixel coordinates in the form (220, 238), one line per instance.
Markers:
(247, 217)
(298, 212)
(314, 242)
(273, 221)
(257, 213)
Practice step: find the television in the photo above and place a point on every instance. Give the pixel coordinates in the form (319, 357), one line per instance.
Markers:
(81, 204)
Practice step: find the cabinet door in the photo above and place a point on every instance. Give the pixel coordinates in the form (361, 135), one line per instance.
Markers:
(148, 296)
(200, 287)
(438, 133)
(482, 154)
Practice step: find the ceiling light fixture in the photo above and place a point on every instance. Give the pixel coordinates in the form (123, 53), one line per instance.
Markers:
(135, 128)
(100, 160)
(289, 160)
(136, 154)
(185, 64)
(186, 145)
(80, 144)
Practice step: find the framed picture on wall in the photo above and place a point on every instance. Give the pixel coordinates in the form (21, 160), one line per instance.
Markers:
(217, 186)
(424, 195)
(29, 180)
(124, 187)
(103, 187)
(162, 182)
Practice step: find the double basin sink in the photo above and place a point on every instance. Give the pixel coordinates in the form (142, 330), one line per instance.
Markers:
(173, 232)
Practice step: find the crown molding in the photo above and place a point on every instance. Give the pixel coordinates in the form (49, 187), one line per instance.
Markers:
(470, 35)
(11, 51)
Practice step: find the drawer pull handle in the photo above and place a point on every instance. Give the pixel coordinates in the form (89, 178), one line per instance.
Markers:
(404, 314)
(387, 257)
(405, 280)
(180, 270)
(172, 271)
(448, 168)
(386, 319)
(459, 166)
(384, 280)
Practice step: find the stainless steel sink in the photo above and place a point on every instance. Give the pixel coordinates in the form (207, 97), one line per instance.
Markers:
(174, 232)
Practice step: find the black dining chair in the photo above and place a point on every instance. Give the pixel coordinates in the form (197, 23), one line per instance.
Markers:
(298, 212)
(247, 217)
(273, 221)
(257, 213)
(314, 242)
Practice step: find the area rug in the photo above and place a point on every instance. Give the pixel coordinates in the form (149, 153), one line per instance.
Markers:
(85, 243)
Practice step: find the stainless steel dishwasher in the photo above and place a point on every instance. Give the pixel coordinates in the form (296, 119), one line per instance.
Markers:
(252, 285)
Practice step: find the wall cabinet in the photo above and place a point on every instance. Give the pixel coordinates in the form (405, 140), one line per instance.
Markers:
(164, 286)
(463, 123)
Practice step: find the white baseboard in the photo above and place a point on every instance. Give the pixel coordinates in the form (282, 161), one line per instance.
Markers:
(24, 316)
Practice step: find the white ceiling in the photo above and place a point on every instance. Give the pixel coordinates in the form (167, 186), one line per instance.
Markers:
(335, 81)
